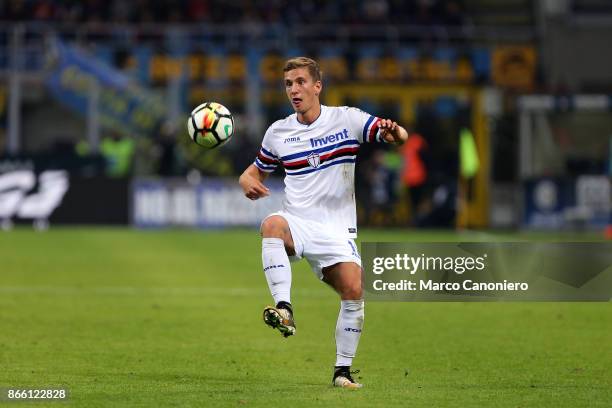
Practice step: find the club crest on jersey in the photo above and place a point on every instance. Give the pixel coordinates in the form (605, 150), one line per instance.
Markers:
(314, 160)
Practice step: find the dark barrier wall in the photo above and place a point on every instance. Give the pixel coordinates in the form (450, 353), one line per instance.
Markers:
(33, 189)
(94, 201)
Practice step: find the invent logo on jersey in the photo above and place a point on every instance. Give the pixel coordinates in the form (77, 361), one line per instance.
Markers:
(322, 141)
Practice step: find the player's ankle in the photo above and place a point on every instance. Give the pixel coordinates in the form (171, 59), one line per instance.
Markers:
(285, 305)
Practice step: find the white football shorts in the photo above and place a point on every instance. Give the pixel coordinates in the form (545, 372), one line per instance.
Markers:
(317, 246)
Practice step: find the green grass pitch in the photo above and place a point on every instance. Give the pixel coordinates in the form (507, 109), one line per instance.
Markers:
(173, 319)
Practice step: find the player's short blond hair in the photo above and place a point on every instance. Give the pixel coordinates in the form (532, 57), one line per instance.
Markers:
(304, 62)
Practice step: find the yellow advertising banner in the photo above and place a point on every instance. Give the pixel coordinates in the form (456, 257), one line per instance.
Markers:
(514, 67)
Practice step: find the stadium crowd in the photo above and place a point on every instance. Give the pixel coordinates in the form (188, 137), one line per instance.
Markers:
(415, 12)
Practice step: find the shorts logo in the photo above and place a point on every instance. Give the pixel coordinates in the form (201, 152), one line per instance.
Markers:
(314, 160)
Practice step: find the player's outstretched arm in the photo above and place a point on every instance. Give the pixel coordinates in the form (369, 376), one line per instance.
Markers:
(391, 132)
(251, 182)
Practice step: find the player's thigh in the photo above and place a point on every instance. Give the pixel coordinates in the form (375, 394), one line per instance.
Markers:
(324, 252)
(345, 278)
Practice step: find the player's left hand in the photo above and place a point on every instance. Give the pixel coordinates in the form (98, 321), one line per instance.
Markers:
(391, 132)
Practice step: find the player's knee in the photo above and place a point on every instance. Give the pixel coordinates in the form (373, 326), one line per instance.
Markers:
(353, 291)
(274, 227)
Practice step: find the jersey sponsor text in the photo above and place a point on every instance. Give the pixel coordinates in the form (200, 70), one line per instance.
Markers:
(322, 141)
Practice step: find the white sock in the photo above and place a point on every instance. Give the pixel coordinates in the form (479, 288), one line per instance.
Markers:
(348, 331)
(277, 269)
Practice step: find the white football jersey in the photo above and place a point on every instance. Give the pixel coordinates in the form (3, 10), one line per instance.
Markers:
(319, 163)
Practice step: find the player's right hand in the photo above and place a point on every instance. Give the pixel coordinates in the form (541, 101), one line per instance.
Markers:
(252, 184)
(255, 189)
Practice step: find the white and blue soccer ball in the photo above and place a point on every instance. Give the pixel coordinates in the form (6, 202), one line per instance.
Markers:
(210, 125)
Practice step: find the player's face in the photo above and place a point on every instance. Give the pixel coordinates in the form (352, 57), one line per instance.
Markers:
(302, 90)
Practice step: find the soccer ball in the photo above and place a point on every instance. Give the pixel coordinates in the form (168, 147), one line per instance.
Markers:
(210, 125)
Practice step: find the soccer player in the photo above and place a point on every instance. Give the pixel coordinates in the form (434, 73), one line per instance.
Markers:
(317, 147)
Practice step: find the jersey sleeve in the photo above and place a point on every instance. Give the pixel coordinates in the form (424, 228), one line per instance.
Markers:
(365, 126)
(266, 159)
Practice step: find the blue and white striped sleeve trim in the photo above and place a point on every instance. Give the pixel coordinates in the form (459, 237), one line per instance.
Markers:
(266, 161)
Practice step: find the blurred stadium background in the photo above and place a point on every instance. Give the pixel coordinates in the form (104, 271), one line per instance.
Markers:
(511, 100)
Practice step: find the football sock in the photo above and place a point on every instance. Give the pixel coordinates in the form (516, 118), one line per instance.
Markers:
(277, 269)
(348, 331)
